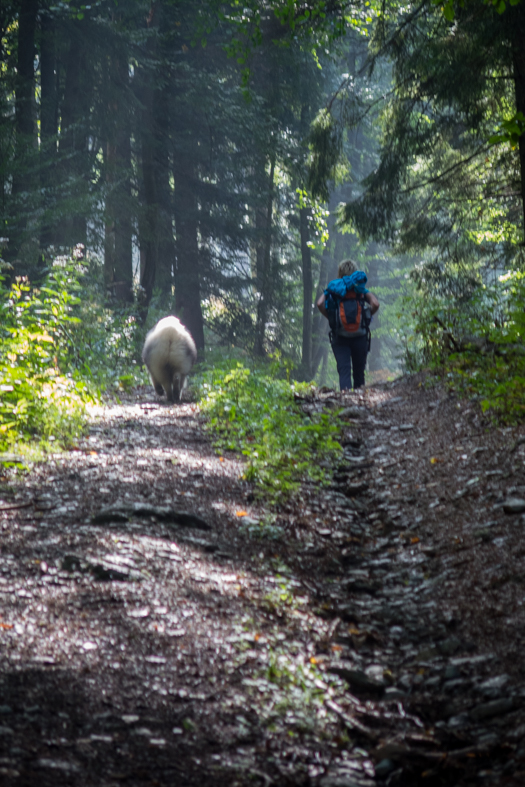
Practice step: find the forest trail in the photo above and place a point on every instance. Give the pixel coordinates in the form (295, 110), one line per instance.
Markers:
(158, 627)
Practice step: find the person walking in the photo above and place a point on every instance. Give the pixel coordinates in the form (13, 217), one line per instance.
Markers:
(350, 351)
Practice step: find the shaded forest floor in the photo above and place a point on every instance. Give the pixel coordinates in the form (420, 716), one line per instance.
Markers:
(159, 627)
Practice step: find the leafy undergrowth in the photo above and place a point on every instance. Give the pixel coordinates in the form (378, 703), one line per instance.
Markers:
(58, 352)
(253, 412)
(496, 379)
(476, 348)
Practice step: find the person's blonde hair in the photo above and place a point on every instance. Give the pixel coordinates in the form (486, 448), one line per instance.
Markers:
(346, 268)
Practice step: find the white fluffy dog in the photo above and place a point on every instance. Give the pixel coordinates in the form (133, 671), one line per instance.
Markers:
(169, 353)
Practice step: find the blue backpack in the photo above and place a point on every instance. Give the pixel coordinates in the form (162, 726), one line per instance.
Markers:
(348, 310)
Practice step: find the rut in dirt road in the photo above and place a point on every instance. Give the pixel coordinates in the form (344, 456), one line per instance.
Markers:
(159, 628)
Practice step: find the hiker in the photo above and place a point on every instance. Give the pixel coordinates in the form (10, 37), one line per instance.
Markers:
(349, 306)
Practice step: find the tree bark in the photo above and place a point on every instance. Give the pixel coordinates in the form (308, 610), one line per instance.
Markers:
(25, 139)
(327, 272)
(24, 90)
(156, 230)
(161, 148)
(187, 278)
(306, 259)
(319, 322)
(48, 127)
(374, 357)
(264, 265)
(118, 265)
(73, 146)
(148, 221)
(148, 216)
(516, 30)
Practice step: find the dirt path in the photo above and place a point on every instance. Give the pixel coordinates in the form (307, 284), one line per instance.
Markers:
(158, 628)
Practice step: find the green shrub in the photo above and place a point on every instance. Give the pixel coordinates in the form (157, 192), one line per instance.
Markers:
(253, 412)
(477, 346)
(40, 397)
(59, 349)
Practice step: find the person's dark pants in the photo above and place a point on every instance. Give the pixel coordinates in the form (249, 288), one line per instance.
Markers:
(350, 355)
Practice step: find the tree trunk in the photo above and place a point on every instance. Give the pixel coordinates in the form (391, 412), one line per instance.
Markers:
(123, 225)
(515, 18)
(148, 222)
(25, 140)
(374, 358)
(48, 127)
(24, 90)
(306, 259)
(263, 266)
(118, 265)
(161, 121)
(148, 216)
(327, 272)
(187, 280)
(319, 322)
(156, 230)
(324, 365)
(74, 133)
